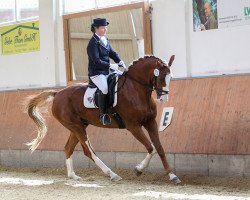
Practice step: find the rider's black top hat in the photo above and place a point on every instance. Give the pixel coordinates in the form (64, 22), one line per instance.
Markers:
(100, 22)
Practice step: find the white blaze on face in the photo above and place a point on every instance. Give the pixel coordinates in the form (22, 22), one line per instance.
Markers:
(166, 88)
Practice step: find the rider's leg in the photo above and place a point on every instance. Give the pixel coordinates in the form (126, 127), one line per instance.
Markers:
(101, 82)
(104, 117)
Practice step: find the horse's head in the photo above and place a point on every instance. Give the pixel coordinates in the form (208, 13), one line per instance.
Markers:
(162, 76)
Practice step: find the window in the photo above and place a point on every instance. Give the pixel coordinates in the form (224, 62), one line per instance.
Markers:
(7, 11)
(126, 31)
(27, 9)
(18, 10)
(108, 3)
(78, 5)
(82, 5)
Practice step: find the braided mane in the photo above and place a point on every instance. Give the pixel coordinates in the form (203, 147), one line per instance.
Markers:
(143, 59)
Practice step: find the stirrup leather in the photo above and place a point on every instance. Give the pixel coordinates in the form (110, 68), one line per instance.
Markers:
(105, 119)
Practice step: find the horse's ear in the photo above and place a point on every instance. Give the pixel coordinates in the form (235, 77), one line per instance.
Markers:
(171, 60)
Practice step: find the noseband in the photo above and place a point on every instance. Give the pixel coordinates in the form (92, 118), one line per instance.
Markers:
(159, 91)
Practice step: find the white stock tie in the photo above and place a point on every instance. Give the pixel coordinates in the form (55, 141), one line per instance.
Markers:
(104, 40)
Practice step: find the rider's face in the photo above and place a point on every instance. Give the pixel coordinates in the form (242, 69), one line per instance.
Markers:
(101, 30)
(207, 8)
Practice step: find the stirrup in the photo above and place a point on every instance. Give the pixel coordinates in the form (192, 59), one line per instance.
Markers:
(105, 119)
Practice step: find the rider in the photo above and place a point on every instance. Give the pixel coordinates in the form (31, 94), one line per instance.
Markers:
(99, 51)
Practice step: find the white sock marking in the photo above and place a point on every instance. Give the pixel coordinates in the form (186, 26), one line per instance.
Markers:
(171, 176)
(70, 169)
(99, 163)
(144, 164)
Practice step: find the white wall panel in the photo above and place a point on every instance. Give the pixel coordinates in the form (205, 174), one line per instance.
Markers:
(168, 33)
(45, 68)
(20, 71)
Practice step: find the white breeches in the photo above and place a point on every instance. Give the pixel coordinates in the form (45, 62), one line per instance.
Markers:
(101, 82)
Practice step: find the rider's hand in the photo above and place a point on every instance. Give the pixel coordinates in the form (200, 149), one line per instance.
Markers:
(114, 66)
(122, 64)
(203, 28)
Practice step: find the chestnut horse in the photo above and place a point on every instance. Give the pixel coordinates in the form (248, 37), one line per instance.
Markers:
(135, 88)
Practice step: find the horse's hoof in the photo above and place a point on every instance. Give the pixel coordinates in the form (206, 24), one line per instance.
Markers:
(75, 177)
(176, 181)
(116, 178)
(78, 178)
(137, 172)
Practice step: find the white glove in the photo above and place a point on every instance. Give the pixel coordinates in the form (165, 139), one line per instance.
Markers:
(114, 66)
(122, 64)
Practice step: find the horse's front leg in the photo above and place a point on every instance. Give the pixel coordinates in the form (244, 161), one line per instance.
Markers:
(141, 137)
(144, 164)
(152, 128)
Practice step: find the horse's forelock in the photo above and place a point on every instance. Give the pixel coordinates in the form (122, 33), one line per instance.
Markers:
(165, 62)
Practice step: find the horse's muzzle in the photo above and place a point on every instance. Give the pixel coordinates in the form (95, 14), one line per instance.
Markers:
(162, 98)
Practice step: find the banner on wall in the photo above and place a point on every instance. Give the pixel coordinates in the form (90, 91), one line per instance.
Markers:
(216, 14)
(20, 38)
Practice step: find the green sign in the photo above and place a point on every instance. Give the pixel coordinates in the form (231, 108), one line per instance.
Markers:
(20, 38)
(247, 11)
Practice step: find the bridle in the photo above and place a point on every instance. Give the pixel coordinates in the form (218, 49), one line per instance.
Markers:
(150, 87)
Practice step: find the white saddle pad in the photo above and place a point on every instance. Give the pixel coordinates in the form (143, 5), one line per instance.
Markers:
(89, 101)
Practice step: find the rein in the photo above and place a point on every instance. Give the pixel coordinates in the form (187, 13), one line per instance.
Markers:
(150, 87)
(118, 89)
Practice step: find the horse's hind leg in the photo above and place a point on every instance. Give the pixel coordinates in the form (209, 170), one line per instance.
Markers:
(68, 150)
(151, 127)
(80, 133)
(99, 163)
(140, 136)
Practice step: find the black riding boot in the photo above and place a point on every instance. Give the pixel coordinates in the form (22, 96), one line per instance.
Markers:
(104, 117)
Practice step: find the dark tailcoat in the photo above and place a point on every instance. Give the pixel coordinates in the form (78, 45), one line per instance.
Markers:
(99, 55)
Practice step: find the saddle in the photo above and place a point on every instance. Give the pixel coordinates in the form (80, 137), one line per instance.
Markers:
(90, 99)
(92, 93)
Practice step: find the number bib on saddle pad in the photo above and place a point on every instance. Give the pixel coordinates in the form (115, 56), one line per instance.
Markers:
(90, 99)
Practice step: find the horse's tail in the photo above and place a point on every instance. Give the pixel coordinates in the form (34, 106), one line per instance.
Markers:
(32, 109)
